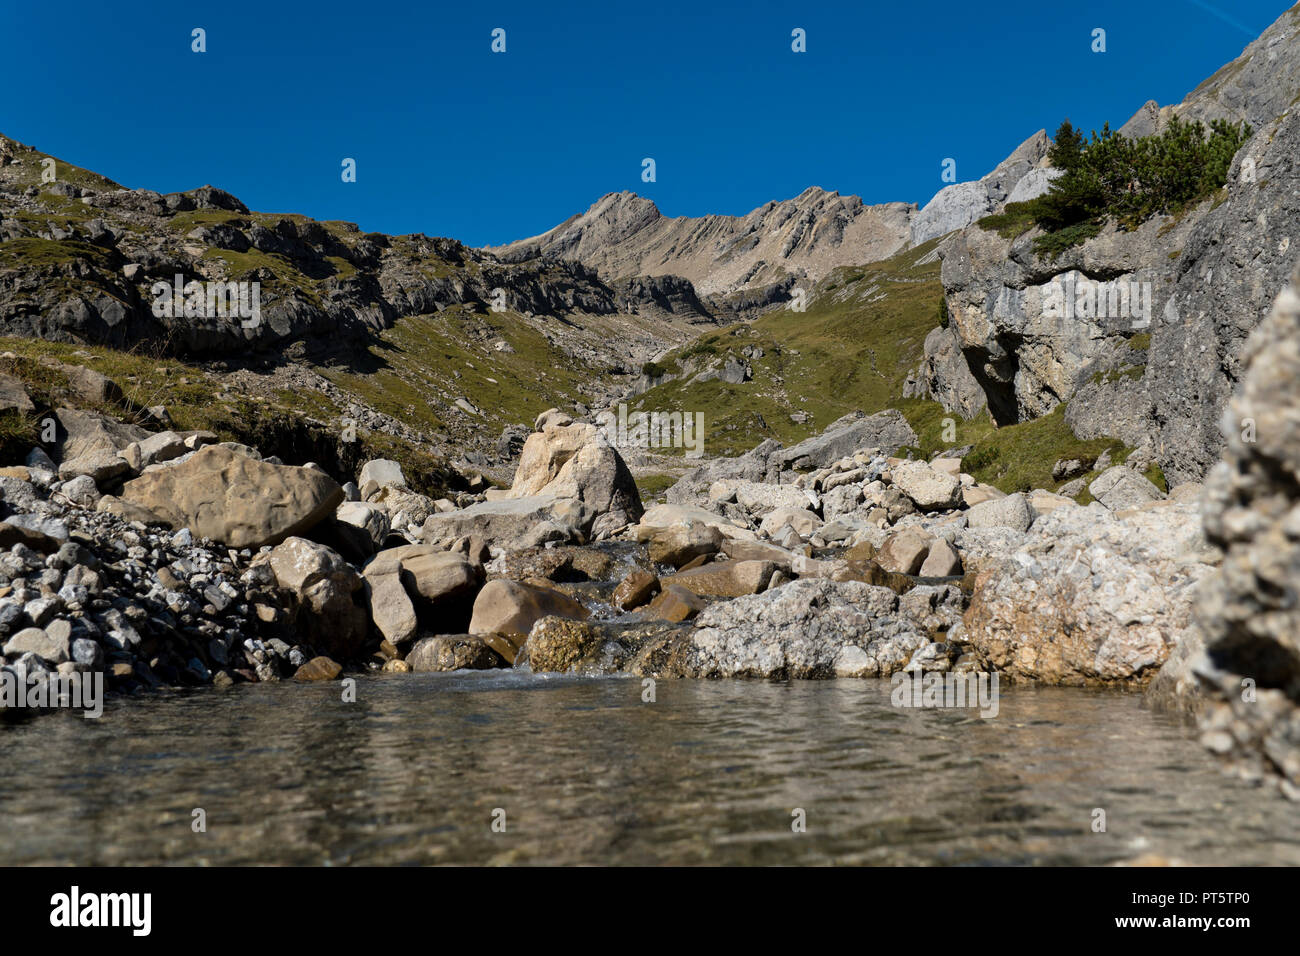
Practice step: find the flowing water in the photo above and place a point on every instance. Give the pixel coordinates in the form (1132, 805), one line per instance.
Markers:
(586, 772)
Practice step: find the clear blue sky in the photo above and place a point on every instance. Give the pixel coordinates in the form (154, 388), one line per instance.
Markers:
(451, 139)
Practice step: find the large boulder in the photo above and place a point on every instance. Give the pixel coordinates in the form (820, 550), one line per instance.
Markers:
(1120, 487)
(90, 443)
(1250, 610)
(576, 461)
(930, 488)
(414, 583)
(887, 431)
(679, 545)
(321, 585)
(1087, 597)
(510, 607)
(810, 628)
(235, 500)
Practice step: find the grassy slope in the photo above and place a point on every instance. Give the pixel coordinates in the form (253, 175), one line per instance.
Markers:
(853, 348)
(195, 400)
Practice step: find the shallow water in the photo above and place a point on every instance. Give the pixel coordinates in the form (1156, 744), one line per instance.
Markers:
(588, 773)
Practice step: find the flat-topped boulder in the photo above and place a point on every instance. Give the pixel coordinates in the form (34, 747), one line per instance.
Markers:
(887, 431)
(235, 500)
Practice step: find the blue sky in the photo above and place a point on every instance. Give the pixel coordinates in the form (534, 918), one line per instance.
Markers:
(451, 139)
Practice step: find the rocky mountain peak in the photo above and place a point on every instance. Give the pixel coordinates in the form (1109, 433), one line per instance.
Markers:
(1257, 87)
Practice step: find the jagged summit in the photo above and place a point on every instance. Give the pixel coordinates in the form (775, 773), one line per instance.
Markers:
(1257, 87)
(623, 234)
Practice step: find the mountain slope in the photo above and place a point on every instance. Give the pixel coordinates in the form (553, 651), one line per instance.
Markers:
(623, 234)
(1211, 272)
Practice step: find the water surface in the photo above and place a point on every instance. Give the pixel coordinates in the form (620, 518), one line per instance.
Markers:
(586, 772)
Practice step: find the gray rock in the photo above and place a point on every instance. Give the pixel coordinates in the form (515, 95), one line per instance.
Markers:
(961, 204)
(886, 431)
(809, 628)
(1249, 610)
(1089, 597)
(1120, 487)
(88, 652)
(81, 491)
(1012, 512)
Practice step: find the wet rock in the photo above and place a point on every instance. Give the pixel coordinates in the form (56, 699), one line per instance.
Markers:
(675, 604)
(564, 563)
(453, 652)
(725, 579)
(318, 668)
(635, 590)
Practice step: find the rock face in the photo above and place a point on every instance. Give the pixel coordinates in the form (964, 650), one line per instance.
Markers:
(945, 376)
(95, 281)
(235, 500)
(960, 204)
(1250, 611)
(1088, 597)
(1159, 374)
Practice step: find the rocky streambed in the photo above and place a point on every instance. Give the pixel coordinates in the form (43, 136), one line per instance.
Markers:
(166, 559)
